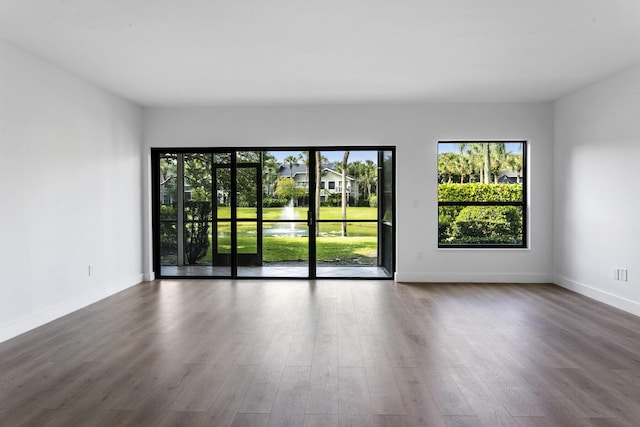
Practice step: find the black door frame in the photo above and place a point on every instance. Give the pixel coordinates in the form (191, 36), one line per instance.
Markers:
(387, 263)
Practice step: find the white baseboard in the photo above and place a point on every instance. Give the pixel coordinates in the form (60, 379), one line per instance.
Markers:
(148, 277)
(474, 277)
(598, 295)
(32, 321)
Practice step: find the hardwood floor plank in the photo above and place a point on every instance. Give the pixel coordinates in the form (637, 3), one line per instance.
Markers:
(250, 420)
(321, 420)
(487, 407)
(381, 420)
(264, 388)
(225, 404)
(417, 399)
(462, 421)
(301, 351)
(446, 393)
(323, 389)
(288, 409)
(354, 405)
(383, 391)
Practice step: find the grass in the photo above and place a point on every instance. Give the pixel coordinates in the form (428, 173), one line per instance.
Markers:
(359, 250)
(353, 213)
(359, 247)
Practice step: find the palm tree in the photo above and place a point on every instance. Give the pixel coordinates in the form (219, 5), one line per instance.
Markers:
(487, 162)
(369, 175)
(345, 158)
(499, 154)
(514, 162)
(271, 169)
(304, 156)
(356, 170)
(291, 161)
(479, 150)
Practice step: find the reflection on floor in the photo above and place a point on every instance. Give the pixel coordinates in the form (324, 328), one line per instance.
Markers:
(279, 271)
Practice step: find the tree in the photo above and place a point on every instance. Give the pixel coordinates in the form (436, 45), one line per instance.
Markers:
(197, 175)
(287, 189)
(484, 148)
(345, 158)
(514, 162)
(446, 167)
(291, 161)
(370, 176)
(356, 170)
(317, 192)
(487, 162)
(499, 155)
(270, 173)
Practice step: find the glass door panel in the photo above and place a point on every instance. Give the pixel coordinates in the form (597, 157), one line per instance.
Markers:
(347, 217)
(197, 213)
(386, 211)
(248, 227)
(168, 215)
(221, 234)
(285, 208)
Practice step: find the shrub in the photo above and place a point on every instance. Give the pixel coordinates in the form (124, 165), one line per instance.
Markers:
(497, 224)
(274, 202)
(487, 224)
(334, 199)
(198, 218)
(373, 200)
(167, 212)
(479, 192)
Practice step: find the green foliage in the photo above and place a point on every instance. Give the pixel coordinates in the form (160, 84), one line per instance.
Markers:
(168, 212)
(334, 199)
(168, 238)
(274, 202)
(287, 189)
(479, 192)
(373, 200)
(479, 224)
(198, 218)
(487, 224)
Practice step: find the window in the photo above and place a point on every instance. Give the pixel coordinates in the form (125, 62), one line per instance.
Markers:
(332, 185)
(322, 185)
(482, 194)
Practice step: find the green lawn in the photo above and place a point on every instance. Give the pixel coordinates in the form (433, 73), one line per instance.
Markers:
(359, 247)
(353, 213)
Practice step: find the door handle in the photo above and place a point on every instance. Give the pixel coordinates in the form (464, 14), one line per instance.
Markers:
(310, 218)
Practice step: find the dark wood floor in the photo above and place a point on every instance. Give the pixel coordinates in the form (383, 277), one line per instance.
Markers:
(328, 353)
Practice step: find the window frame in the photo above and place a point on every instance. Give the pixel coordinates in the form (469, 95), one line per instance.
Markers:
(523, 204)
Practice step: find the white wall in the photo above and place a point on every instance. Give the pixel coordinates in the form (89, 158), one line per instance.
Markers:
(70, 183)
(415, 130)
(597, 172)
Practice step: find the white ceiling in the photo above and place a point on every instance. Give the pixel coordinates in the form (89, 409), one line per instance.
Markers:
(211, 52)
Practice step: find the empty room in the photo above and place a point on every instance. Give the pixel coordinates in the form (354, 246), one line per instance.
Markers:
(356, 213)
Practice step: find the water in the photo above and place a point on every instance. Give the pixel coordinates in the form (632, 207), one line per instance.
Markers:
(288, 229)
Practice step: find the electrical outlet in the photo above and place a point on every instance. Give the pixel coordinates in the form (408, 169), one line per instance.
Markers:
(616, 274)
(623, 274)
(90, 270)
(419, 256)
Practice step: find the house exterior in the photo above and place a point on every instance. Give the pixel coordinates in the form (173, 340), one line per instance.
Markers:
(331, 182)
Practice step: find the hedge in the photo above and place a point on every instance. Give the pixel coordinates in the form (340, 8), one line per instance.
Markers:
(479, 192)
(479, 224)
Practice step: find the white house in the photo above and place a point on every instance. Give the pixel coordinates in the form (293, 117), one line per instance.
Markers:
(331, 182)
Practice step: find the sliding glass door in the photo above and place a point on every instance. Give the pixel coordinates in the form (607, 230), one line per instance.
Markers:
(282, 213)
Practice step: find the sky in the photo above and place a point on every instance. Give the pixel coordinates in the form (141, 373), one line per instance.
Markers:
(333, 156)
(454, 147)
